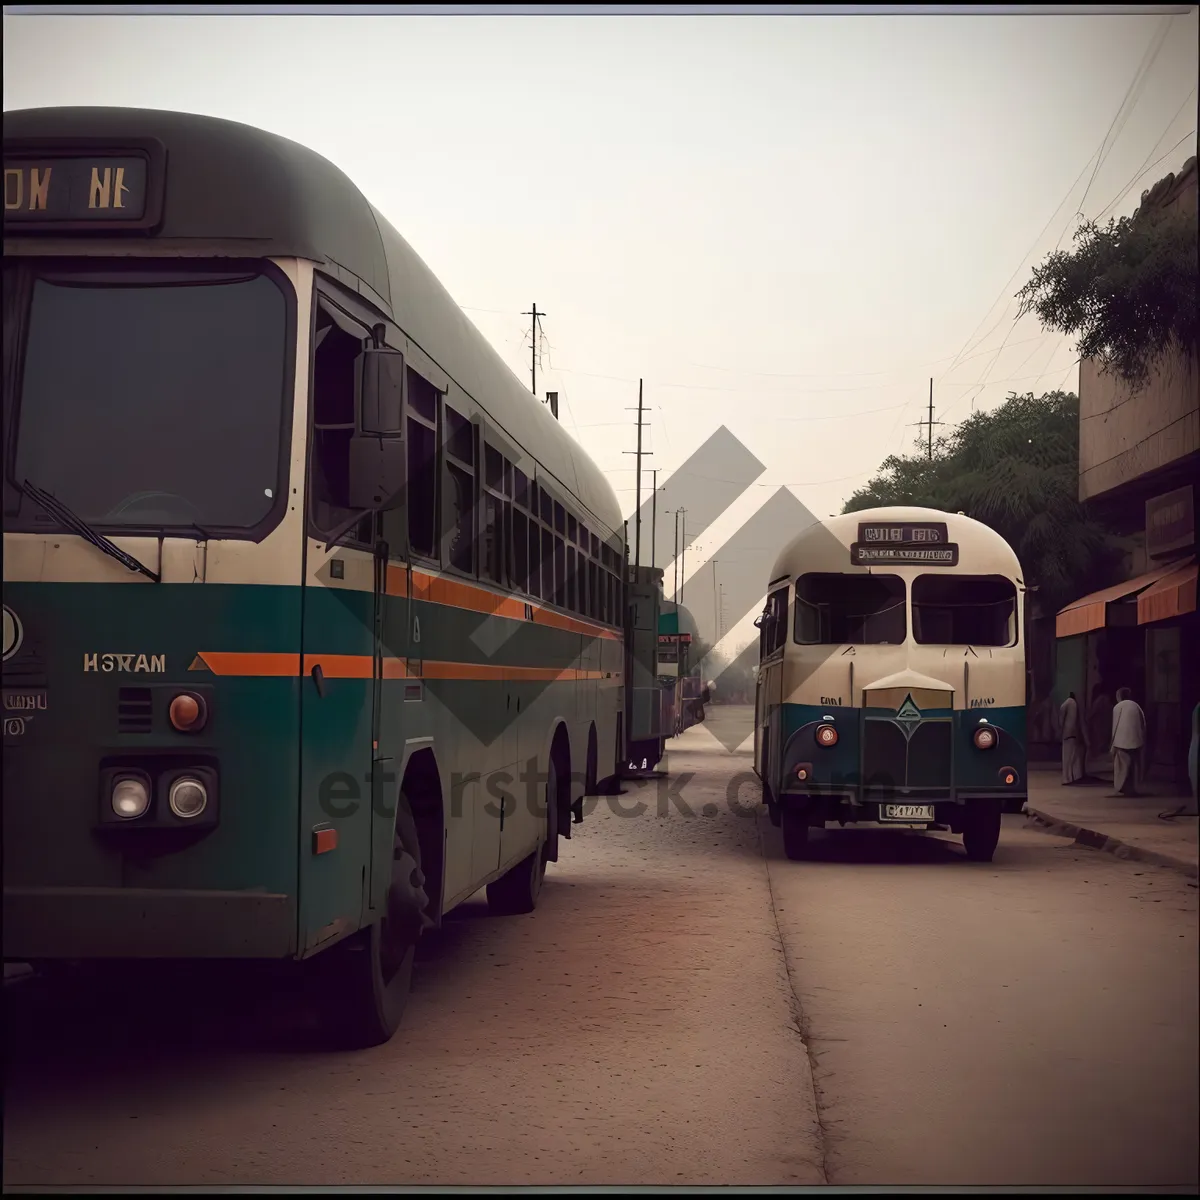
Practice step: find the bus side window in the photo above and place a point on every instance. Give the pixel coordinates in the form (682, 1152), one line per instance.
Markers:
(459, 510)
(779, 619)
(333, 427)
(421, 432)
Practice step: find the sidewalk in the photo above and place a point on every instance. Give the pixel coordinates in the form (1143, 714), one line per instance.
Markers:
(1128, 827)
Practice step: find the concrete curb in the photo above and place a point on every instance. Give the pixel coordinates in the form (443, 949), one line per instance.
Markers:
(1095, 840)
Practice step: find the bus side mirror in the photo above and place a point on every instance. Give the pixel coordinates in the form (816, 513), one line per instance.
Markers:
(381, 400)
(378, 471)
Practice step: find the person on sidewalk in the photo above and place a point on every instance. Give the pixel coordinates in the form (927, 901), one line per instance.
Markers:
(1074, 741)
(1128, 738)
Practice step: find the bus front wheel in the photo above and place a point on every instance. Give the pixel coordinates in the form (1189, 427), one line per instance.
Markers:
(794, 823)
(363, 982)
(981, 829)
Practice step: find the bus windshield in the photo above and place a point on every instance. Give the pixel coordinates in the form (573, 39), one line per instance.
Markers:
(145, 399)
(964, 610)
(858, 610)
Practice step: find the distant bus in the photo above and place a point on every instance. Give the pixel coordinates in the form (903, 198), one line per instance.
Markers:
(678, 638)
(314, 617)
(891, 684)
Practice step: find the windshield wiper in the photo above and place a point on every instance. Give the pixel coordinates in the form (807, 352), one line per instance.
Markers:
(76, 524)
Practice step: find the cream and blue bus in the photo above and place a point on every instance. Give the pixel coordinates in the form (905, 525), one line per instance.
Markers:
(891, 684)
(314, 616)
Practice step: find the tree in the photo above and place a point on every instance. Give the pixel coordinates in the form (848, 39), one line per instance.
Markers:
(1127, 290)
(1016, 469)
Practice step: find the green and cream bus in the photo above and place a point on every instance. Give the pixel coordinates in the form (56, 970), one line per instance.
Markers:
(313, 615)
(891, 684)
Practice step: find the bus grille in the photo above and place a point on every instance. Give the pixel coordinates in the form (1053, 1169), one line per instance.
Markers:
(922, 761)
(135, 710)
(929, 751)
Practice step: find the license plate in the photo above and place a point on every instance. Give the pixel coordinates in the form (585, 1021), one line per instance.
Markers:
(907, 812)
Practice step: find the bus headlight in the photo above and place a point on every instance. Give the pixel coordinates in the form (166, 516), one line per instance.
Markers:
(188, 798)
(130, 798)
(984, 737)
(826, 735)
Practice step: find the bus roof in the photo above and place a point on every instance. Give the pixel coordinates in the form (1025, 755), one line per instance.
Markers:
(825, 545)
(247, 193)
(674, 618)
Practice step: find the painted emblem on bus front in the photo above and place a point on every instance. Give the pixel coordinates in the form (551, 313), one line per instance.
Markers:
(908, 711)
(153, 664)
(14, 633)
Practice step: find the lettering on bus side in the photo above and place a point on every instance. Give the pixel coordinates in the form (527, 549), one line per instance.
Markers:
(831, 701)
(983, 702)
(146, 664)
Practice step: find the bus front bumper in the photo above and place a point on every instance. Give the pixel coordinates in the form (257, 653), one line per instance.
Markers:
(84, 923)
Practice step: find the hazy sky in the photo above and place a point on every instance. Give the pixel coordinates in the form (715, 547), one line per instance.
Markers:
(784, 224)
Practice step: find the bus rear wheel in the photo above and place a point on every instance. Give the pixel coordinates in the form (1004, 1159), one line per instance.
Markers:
(981, 829)
(793, 821)
(363, 983)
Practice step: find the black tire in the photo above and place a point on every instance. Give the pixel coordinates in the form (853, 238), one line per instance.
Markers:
(794, 823)
(518, 889)
(981, 829)
(363, 982)
(591, 785)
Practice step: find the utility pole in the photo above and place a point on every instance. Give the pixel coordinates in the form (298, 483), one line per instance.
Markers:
(533, 365)
(675, 560)
(716, 604)
(930, 422)
(654, 520)
(683, 561)
(637, 556)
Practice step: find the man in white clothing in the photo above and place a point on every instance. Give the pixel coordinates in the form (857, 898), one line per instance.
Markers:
(1128, 738)
(1074, 741)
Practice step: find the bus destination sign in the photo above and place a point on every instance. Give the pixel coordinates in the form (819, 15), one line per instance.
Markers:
(875, 554)
(98, 190)
(884, 533)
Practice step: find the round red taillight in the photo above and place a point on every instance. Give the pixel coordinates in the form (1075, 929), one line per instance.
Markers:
(984, 737)
(188, 712)
(827, 735)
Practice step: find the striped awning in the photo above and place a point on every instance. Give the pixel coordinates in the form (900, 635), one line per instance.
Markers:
(1091, 611)
(1172, 596)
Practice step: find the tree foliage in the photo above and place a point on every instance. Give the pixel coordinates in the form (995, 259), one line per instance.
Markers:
(1127, 290)
(1016, 469)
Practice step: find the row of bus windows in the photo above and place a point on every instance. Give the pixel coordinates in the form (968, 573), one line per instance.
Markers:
(467, 506)
(870, 610)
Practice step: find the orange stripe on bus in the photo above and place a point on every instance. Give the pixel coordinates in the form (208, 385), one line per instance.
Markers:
(361, 666)
(456, 593)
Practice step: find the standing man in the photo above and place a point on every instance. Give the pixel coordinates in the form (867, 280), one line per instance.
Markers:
(1074, 741)
(1128, 738)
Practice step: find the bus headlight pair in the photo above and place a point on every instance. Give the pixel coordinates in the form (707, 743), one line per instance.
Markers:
(188, 797)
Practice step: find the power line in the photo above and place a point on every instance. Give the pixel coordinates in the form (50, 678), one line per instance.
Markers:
(1129, 102)
(1097, 155)
(1145, 170)
(1137, 85)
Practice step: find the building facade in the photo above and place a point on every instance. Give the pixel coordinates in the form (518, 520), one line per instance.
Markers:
(1139, 475)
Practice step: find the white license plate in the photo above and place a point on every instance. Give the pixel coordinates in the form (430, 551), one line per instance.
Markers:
(907, 812)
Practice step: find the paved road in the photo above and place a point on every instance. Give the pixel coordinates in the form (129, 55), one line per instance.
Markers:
(685, 1007)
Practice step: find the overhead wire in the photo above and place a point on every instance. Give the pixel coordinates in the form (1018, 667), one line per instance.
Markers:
(1129, 102)
(972, 342)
